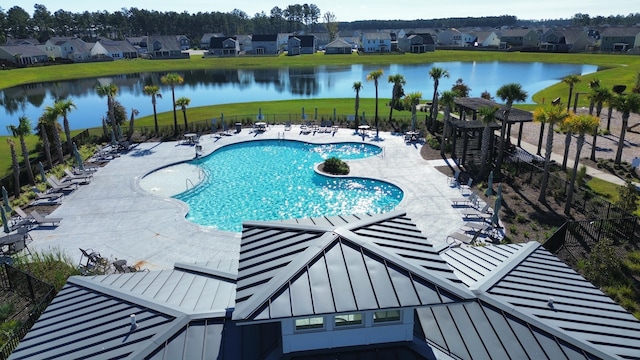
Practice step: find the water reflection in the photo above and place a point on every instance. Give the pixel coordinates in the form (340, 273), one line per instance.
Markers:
(219, 86)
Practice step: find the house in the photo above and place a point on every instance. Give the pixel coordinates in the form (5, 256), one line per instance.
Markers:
(519, 38)
(114, 49)
(350, 286)
(619, 39)
(30, 41)
(162, 47)
(566, 40)
(485, 39)
(376, 42)
(71, 48)
(204, 41)
(224, 46)
(322, 40)
(245, 42)
(338, 46)
(301, 44)
(185, 43)
(23, 54)
(416, 43)
(266, 44)
(454, 37)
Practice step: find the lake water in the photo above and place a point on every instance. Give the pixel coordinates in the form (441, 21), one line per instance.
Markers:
(220, 86)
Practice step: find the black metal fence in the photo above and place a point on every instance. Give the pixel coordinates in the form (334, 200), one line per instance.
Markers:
(38, 292)
(574, 240)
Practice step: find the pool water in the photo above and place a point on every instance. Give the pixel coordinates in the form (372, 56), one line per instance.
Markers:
(272, 180)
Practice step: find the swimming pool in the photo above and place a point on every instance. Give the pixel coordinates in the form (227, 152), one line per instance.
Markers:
(272, 179)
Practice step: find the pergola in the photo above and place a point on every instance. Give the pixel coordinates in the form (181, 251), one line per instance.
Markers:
(468, 128)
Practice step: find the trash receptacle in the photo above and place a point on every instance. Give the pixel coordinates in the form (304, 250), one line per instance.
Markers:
(238, 127)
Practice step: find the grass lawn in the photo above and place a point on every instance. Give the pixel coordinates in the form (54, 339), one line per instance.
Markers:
(616, 69)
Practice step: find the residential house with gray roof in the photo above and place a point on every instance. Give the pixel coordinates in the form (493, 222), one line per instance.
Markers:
(416, 43)
(114, 49)
(518, 38)
(340, 287)
(224, 46)
(23, 54)
(71, 48)
(619, 39)
(301, 44)
(206, 39)
(163, 47)
(338, 46)
(376, 42)
(265, 44)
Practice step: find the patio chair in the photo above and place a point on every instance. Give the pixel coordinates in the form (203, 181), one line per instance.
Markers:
(40, 220)
(56, 187)
(68, 181)
(22, 219)
(287, 126)
(42, 196)
(470, 200)
(463, 238)
(467, 186)
(453, 180)
(92, 262)
(475, 228)
(71, 176)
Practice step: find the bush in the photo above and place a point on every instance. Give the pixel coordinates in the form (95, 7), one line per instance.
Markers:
(433, 142)
(336, 166)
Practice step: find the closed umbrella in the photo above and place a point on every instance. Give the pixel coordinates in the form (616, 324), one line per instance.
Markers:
(496, 209)
(304, 116)
(489, 191)
(334, 114)
(315, 114)
(42, 174)
(114, 142)
(78, 157)
(499, 190)
(119, 131)
(4, 220)
(5, 199)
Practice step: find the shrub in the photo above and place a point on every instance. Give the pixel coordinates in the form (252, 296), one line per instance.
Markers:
(336, 166)
(433, 142)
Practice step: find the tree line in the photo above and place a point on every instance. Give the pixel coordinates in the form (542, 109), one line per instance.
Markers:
(19, 24)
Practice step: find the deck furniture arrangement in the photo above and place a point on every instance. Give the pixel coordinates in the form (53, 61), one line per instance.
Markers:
(483, 214)
(466, 187)
(471, 200)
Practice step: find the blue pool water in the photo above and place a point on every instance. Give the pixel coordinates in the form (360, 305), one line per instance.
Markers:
(271, 179)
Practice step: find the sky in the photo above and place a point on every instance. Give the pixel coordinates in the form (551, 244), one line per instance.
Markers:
(361, 10)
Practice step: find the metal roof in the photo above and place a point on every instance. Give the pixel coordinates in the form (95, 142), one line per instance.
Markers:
(475, 103)
(369, 262)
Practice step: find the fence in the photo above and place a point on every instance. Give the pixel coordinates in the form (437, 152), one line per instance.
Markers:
(8, 181)
(574, 240)
(39, 293)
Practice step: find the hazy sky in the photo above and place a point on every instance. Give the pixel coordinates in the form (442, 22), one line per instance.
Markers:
(362, 10)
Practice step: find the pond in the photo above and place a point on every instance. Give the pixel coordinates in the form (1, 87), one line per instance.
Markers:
(221, 86)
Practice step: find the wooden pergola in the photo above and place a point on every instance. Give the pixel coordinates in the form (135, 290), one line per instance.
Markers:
(470, 128)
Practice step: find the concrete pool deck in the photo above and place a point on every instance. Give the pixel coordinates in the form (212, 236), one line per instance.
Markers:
(115, 216)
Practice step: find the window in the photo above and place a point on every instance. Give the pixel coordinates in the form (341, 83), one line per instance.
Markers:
(310, 323)
(349, 319)
(384, 316)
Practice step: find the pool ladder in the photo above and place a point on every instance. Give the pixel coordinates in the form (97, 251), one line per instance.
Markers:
(187, 182)
(280, 136)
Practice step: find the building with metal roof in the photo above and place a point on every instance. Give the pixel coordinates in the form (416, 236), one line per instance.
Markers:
(365, 286)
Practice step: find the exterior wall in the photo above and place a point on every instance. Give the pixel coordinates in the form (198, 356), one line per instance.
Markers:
(376, 45)
(331, 337)
(265, 47)
(491, 41)
(608, 42)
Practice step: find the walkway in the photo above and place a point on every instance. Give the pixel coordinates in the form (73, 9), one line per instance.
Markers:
(115, 217)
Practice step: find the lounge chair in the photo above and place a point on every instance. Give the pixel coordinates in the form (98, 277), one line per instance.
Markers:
(463, 238)
(481, 215)
(44, 196)
(467, 186)
(56, 187)
(47, 201)
(21, 219)
(470, 200)
(44, 219)
(287, 126)
(71, 176)
(475, 228)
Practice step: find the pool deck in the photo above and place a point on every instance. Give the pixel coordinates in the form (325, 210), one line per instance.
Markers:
(115, 216)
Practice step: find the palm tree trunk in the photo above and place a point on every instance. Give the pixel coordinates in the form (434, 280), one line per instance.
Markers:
(16, 169)
(445, 128)
(623, 133)
(567, 145)
(57, 143)
(184, 115)
(175, 116)
(609, 115)
(357, 122)
(27, 161)
(67, 133)
(593, 146)
(45, 142)
(592, 104)
(376, 110)
(486, 139)
(572, 183)
(547, 164)
(155, 114)
(503, 130)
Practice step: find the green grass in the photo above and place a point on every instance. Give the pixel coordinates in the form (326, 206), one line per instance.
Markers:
(608, 190)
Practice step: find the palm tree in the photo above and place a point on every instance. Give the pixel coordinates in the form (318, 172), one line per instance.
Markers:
(154, 92)
(357, 86)
(488, 117)
(601, 96)
(15, 166)
(397, 92)
(549, 116)
(626, 104)
(594, 85)
(110, 91)
(509, 93)
(570, 80)
(23, 129)
(51, 118)
(45, 141)
(173, 79)
(436, 74)
(375, 76)
(62, 108)
(580, 124)
(183, 102)
(447, 99)
(134, 113)
(413, 99)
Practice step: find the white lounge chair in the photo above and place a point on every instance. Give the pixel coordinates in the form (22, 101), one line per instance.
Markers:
(467, 186)
(483, 214)
(57, 187)
(453, 180)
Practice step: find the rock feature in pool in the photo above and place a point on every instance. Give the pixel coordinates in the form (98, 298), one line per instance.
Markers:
(271, 180)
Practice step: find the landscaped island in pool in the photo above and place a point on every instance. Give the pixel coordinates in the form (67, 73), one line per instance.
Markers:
(275, 179)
